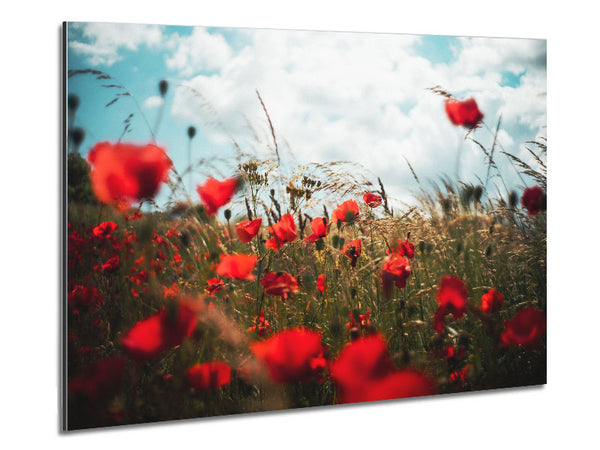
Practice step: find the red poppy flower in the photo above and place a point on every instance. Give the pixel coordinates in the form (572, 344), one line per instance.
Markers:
(247, 229)
(76, 244)
(320, 228)
(364, 372)
(139, 277)
(282, 232)
(171, 232)
(464, 113)
(215, 193)
(452, 297)
(361, 361)
(454, 354)
(261, 325)
(491, 301)
(124, 173)
(135, 216)
(534, 200)
(214, 285)
(372, 200)
(361, 322)
(111, 264)
(237, 266)
(105, 229)
(159, 240)
(292, 355)
(525, 328)
(84, 296)
(460, 376)
(156, 266)
(396, 270)
(400, 384)
(101, 380)
(149, 337)
(439, 318)
(171, 292)
(346, 212)
(280, 284)
(209, 376)
(129, 237)
(452, 294)
(353, 250)
(404, 248)
(322, 283)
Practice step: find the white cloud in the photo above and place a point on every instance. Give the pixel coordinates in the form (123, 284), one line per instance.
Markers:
(153, 102)
(197, 52)
(493, 54)
(363, 98)
(102, 41)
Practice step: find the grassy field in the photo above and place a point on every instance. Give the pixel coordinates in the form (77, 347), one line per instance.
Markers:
(337, 298)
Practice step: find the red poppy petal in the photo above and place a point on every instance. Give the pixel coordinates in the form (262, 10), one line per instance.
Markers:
(288, 355)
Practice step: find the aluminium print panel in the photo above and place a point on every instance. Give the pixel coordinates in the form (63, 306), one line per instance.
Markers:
(259, 220)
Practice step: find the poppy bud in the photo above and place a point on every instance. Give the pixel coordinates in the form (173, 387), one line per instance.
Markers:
(78, 136)
(477, 192)
(73, 102)
(319, 244)
(185, 239)
(512, 199)
(163, 86)
(191, 131)
(466, 194)
(335, 240)
(239, 184)
(227, 214)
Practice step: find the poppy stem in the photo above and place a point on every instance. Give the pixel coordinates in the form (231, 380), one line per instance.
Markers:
(190, 166)
(159, 118)
(229, 234)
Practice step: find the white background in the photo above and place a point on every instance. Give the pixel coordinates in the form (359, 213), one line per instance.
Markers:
(563, 413)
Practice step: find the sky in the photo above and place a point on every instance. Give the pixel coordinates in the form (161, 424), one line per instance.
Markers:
(331, 96)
